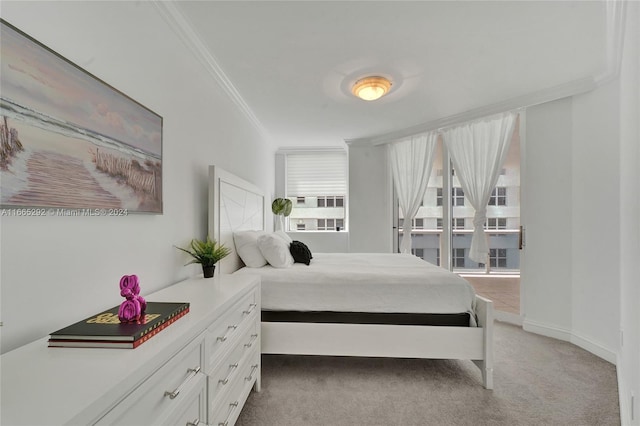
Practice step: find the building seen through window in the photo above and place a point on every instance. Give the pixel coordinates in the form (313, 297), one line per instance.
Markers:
(502, 224)
(316, 183)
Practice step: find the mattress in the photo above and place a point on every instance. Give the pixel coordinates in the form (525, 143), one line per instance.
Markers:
(364, 282)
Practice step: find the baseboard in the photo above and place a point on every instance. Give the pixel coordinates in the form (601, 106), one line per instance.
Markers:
(624, 397)
(547, 330)
(569, 336)
(594, 348)
(507, 317)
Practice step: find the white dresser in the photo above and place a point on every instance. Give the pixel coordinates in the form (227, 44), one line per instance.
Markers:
(199, 370)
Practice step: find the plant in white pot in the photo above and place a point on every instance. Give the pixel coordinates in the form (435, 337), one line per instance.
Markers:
(281, 207)
(207, 253)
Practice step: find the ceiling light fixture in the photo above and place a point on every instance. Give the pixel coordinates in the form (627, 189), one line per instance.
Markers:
(371, 88)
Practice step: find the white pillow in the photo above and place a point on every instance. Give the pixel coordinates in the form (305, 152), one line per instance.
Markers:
(284, 236)
(247, 248)
(275, 250)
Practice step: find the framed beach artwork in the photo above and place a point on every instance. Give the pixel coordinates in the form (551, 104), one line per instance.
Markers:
(70, 141)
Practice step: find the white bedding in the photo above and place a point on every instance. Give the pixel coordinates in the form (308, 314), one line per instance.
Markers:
(364, 282)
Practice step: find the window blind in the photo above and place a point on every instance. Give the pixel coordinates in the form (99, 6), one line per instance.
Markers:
(314, 174)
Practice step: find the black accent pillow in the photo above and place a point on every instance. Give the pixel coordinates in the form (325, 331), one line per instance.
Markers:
(300, 252)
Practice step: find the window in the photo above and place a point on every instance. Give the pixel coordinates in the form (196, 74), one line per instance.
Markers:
(498, 258)
(448, 217)
(416, 223)
(326, 224)
(418, 252)
(457, 223)
(498, 196)
(330, 224)
(496, 223)
(457, 196)
(330, 201)
(316, 180)
(301, 227)
(457, 257)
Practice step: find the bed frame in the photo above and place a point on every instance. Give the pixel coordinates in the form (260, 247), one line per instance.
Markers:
(235, 205)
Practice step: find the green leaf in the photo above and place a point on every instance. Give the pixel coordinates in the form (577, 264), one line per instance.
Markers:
(281, 206)
(206, 252)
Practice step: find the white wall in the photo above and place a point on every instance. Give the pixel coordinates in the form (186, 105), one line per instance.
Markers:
(582, 173)
(323, 242)
(595, 195)
(57, 270)
(370, 203)
(546, 215)
(629, 227)
(570, 270)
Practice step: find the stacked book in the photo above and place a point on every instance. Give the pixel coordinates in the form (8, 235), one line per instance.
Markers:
(106, 331)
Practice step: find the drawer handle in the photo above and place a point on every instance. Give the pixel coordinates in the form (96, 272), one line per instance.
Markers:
(196, 422)
(226, 335)
(226, 379)
(192, 373)
(253, 338)
(233, 406)
(254, 367)
(251, 308)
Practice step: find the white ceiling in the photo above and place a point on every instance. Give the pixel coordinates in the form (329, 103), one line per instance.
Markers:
(292, 64)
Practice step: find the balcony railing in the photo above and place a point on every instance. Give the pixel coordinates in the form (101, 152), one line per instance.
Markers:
(428, 244)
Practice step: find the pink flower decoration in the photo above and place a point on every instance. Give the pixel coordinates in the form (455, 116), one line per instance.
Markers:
(130, 282)
(135, 305)
(127, 293)
(143, 304)
(129, 311)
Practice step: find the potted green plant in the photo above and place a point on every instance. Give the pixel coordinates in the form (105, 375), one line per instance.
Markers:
(207, 253)
(281, 207)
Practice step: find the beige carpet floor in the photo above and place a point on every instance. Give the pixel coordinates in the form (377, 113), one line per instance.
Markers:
(538, 381)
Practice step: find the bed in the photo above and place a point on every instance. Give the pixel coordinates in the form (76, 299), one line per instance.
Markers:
(353, 304)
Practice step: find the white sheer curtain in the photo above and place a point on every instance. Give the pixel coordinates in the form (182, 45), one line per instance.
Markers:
(478, 151)
(411, 161)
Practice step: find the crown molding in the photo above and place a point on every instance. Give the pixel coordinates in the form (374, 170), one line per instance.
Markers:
(306, 149)
(539, 97)
(181, 26)
(615, 12)
(615, 15)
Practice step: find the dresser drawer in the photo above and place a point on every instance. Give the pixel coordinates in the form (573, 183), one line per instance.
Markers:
(194, 408)
(164, 391)
(225, 374)
(222, 334)
(226, 411)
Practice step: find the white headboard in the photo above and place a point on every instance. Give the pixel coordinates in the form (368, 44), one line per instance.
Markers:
(234, 205)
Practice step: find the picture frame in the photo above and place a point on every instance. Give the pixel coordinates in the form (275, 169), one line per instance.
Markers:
(71, 144)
